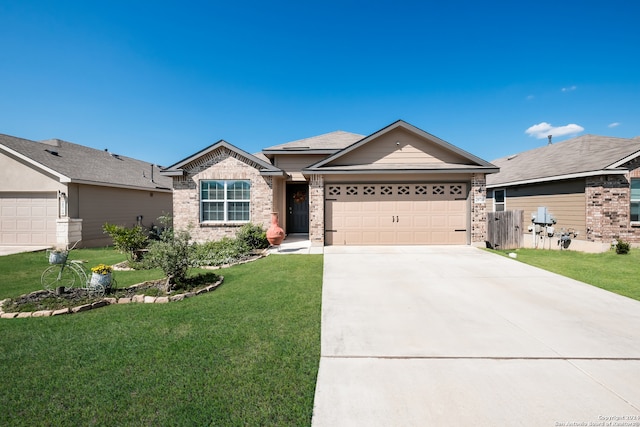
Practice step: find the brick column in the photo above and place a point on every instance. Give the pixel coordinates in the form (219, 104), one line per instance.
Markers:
(316, 210)
(478, 209)
(608, 208)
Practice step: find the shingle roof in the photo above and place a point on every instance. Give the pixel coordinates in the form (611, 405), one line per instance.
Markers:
(329, 141)
(77, 163)
(581, 155)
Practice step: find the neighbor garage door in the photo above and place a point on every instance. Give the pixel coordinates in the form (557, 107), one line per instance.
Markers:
(28, 218)
(396, 214)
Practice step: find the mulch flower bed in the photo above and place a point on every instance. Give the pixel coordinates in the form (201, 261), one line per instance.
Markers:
(74, 300)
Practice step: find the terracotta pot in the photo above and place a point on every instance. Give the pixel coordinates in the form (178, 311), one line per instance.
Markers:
(275, 233)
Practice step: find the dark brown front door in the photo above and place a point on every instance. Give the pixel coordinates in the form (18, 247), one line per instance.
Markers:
(297, 208)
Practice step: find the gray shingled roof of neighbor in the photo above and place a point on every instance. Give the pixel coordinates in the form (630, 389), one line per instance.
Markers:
(581, 156)
(79, 164)
(332, 141)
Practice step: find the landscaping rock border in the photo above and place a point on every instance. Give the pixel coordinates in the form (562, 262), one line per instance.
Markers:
(143, 299)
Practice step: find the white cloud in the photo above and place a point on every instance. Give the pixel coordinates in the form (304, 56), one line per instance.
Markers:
(569, 89)
(614, 125)
(530, 97)
(542, 130)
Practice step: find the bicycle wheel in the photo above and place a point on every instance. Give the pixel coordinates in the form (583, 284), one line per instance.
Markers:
(58, 276)
(78, 267)
(96, 290)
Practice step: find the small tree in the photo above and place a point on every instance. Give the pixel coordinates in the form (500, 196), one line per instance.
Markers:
(173, 254)
(127, 240)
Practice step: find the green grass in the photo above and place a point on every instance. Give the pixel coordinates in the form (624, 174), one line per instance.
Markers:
(608, 270)
(246, 354)
(20, 273)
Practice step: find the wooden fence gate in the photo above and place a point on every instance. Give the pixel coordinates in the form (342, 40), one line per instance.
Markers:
(504, 229)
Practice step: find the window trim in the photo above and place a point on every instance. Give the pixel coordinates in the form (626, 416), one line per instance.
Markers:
(225, 201)
(504, 199)
(633, 200)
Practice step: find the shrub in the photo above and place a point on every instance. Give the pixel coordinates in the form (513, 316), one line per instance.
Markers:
(224, 251)
(622, 247)
(127, 240)
(173, 254)
(254, 236)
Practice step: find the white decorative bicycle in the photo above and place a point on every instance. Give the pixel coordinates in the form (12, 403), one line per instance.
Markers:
(66, 274)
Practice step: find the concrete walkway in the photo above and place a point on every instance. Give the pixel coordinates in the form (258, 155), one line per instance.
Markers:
(296, 244)
(10, 250)
(440, 336)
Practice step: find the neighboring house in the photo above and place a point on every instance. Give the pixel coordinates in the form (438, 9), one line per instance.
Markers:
(590, 184)
(54, 193)
(397, 186)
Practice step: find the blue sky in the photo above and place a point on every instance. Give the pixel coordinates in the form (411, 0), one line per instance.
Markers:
(161, 80)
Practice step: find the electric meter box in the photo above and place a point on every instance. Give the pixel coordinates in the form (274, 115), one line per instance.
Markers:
(543, 216)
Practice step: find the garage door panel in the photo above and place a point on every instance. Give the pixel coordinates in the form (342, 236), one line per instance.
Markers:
(28, 218)
(8, 225)
(381, 238)
(421, 222)
(8, 211)
(23, 211)
(387, 208)
(439, 237)
(388, 214)
(370, 221)
(38, 225)
(456, 222)
(353, 222)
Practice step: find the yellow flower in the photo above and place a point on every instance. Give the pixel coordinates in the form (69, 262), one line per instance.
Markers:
(102, 269)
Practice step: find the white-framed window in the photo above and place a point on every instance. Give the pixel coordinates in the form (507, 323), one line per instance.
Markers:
(225, 201)
(499, 200)
(635, 200)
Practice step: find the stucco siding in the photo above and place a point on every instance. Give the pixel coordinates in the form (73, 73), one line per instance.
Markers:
(98, 205)
(15, 175)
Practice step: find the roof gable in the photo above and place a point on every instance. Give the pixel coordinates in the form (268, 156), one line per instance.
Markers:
(401, 146)
(576, 157)
(70, 162)
(257, 161)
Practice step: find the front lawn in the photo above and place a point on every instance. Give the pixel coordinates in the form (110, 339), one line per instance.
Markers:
(246, 354)
(608, 270)
(20, 273)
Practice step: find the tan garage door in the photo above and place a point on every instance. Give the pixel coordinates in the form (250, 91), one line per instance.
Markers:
(396, 214)
(28, 218)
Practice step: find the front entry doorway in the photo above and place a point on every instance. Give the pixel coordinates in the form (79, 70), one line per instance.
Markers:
(297, 208)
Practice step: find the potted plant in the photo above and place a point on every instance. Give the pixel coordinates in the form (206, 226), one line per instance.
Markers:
(101, 275)
(58, 256)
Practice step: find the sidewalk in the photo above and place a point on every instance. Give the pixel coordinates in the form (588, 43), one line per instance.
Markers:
(296, 244)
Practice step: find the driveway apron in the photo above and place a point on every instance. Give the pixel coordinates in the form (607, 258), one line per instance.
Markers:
(418, 336)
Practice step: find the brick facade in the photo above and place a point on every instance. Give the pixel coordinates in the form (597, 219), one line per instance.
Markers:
(316, 210)
(219, 164)
(608, 208)
(478, 208)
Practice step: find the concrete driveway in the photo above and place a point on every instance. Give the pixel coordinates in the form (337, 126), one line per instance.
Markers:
(421, 336)
(10, 250)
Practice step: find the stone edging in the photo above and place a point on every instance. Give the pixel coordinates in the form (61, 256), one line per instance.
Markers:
(144, 299)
